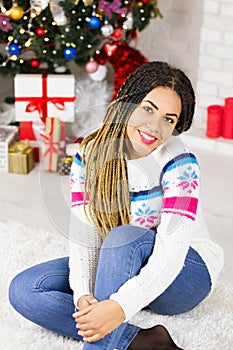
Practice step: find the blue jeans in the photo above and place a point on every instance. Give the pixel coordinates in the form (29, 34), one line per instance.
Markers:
(42, 293)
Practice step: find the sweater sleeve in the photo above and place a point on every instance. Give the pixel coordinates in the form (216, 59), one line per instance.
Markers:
(84, 240)
(180, 184)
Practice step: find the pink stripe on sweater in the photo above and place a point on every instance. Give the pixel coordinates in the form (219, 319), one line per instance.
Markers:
(78, 197)
(179, 213)
(189, 204)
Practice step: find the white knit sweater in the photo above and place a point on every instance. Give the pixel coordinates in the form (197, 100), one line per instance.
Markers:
(164, 190)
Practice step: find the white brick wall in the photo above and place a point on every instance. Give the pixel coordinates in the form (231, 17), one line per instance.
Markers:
(196, 36)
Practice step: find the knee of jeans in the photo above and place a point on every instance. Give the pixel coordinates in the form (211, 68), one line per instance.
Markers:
(123, 235)
(19, 291)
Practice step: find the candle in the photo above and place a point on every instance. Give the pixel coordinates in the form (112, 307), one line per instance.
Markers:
(214, 121)
(227, 127)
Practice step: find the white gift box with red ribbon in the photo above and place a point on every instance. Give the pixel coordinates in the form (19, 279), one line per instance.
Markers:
(38, 96)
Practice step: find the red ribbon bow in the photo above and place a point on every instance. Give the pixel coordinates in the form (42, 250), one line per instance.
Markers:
(40, 103)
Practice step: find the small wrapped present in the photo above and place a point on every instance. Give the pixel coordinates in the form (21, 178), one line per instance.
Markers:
(8, 135)
(38, 96)
(51, 145)
(21, 157)
(64, 165)
(32, 131)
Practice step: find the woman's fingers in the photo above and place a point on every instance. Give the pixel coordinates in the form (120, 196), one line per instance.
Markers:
(83, 327)
(93, 338)
(89, 335)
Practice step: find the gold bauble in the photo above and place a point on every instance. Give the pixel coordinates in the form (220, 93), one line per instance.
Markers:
(16, 12)
(88, 2)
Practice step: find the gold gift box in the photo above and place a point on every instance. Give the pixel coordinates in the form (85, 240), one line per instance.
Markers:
(20, 158)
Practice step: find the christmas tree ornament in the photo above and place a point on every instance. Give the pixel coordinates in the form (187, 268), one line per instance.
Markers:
(100, 73)
(34, 63)
(156, 10)
(118, 33)
(39, 4)
(69, 52)
(112, 7)
(5, 26)
(128, 24)
(110, 48)
(91, 66)
(107, 29)
(14, 49)
(88, 2)
(58, 12)
(94, 22)
(40, 32)
(16, 12)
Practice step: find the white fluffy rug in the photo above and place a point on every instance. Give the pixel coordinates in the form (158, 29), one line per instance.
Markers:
(208, 327)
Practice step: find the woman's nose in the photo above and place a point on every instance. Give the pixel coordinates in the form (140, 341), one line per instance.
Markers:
(153, 123)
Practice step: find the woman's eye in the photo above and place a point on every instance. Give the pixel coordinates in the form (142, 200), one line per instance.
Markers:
(168, 120)
(148, 109)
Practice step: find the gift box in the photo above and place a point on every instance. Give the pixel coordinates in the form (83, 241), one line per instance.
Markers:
(38, 96)
(51, 145)
(32, 131)
(21, 157)
(64, 165)
(8, 135)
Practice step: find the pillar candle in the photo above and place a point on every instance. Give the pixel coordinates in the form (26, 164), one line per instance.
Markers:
(214, 121)
(227, 127)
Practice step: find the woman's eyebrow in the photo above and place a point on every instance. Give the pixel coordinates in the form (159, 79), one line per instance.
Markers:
(169, 114)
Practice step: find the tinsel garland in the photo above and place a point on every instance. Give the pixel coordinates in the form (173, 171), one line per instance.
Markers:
(90, 105)
(124, 59)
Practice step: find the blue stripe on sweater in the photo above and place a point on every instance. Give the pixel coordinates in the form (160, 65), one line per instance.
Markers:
(78, 160)
(145, 195)
(182, 159)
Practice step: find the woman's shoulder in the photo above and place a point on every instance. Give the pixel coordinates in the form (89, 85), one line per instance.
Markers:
(175, 149)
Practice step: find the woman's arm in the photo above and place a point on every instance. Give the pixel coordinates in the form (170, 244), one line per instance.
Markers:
(84, 240)
(180, 181)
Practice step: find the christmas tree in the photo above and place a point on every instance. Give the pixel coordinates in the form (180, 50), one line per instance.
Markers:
(49, 34)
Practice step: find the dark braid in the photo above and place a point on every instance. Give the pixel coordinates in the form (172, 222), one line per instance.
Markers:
(106, 172)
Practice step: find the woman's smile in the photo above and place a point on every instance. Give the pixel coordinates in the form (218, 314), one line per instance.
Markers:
(147, 138)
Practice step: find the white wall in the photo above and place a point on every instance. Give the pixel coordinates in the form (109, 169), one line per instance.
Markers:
(196, 36)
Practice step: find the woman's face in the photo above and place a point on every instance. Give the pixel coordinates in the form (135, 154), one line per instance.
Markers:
(153, 121)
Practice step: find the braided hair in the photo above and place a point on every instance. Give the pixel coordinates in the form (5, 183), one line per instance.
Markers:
(106, 172)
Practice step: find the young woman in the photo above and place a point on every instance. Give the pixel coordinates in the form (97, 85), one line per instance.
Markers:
(137, 234)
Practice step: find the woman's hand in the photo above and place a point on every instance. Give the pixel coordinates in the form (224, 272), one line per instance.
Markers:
(98, 319)
(86, 300)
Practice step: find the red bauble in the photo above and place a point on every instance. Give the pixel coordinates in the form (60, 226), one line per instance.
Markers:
(91, 66)
(118, 33)
(40, 32)
(145, 1)
(34, 63)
